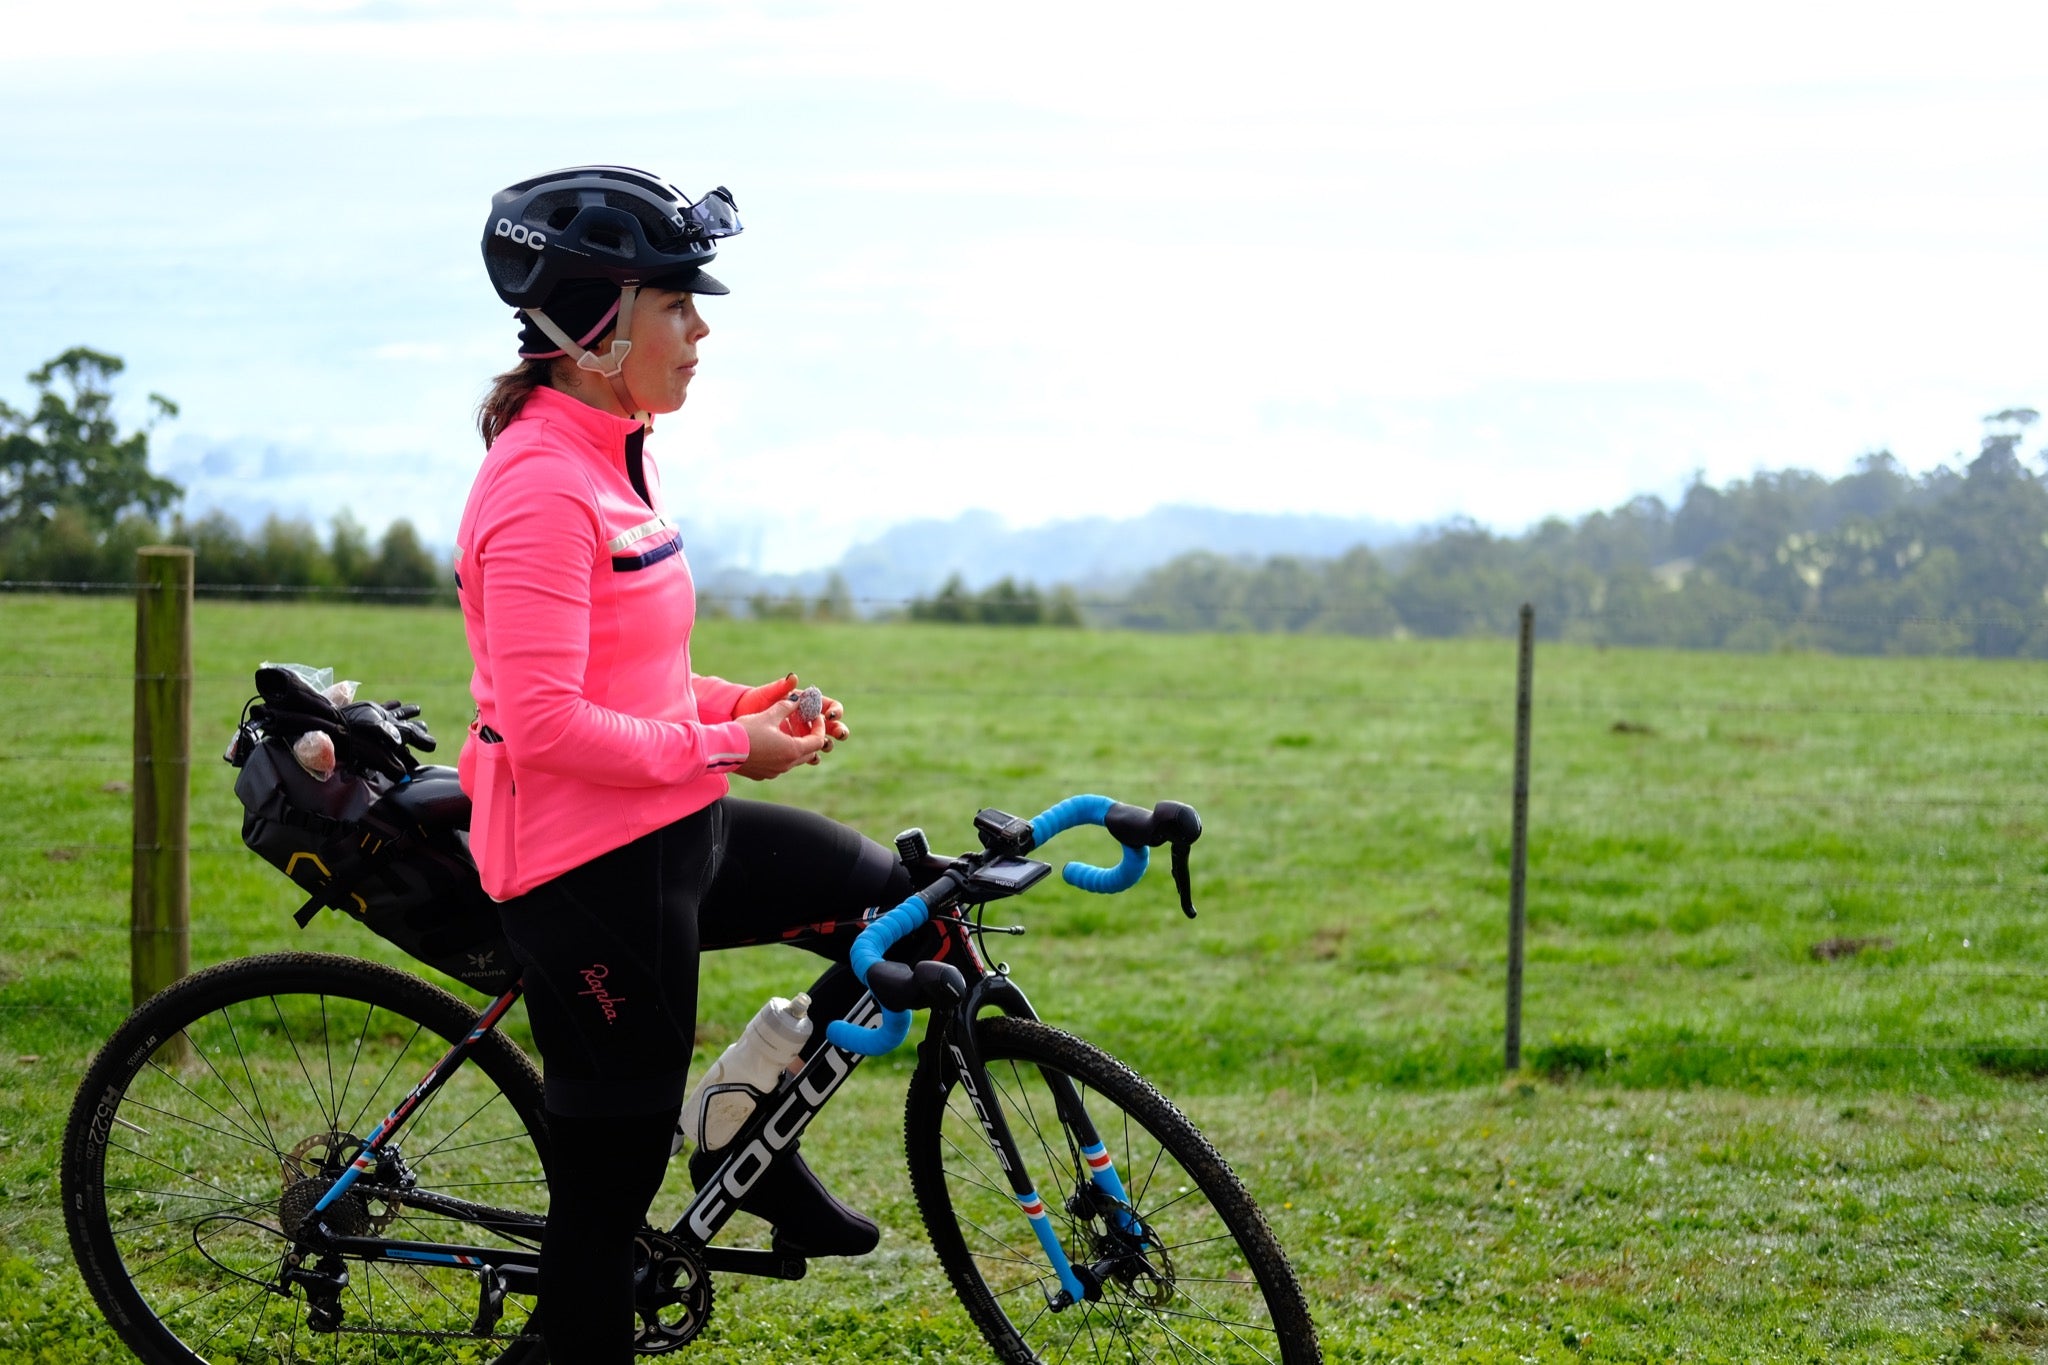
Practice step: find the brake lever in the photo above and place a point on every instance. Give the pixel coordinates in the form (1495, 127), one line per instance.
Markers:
(1183, 881)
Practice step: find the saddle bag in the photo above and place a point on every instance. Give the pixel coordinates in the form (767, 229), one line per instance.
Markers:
(382, 838)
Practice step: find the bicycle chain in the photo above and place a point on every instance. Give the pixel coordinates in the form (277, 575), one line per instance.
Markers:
(429, 1334)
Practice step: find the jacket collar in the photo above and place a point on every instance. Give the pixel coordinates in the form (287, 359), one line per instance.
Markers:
(601, 429)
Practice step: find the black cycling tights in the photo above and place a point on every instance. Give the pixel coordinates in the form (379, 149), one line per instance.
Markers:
(604, 1174)
(610, 957)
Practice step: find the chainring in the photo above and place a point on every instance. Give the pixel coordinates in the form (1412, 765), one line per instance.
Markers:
(671, 1293)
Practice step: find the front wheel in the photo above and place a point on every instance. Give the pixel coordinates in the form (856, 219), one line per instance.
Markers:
(225, 1107)
(1185, 1270)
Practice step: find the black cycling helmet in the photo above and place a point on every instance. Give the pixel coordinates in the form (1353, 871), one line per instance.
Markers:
(608, 223)
(611, 225)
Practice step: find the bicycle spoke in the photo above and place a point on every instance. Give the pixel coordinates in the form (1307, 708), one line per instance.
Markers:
(312, 1088)
(327, 1054)
(982, 1178)
(226, 1321)
(228, 1018)
(1232, 1324)
(234, 1095)
(1235, 1335)
(1073, 1337)
(1138, 1194)
(1014, 1256)
(1116, 1324)
(383, 1277)
(255, 1326)
(182, 1175)
(189, 1121)
(355, 1056)
(1188, 1193)
(180, 1219)
(356, 1124)
(489, 1100)
(196, 1298)
(183, 1248)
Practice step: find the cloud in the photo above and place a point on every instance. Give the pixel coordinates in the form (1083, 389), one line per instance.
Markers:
(1485, 258)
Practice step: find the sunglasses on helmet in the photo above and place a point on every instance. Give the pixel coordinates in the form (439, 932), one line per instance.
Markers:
(714, 215)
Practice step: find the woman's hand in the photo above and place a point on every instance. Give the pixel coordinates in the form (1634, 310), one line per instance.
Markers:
(834, 720)
(771, 749)
(757, 699)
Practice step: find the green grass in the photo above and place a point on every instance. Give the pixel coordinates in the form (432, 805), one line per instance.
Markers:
(1724, 1146)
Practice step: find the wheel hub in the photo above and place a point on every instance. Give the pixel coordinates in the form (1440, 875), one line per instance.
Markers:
(1129, 1254)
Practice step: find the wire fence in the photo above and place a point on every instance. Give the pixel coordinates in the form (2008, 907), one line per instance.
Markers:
(1499, 618)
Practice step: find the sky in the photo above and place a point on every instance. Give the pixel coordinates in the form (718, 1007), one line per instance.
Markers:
(1054, 260)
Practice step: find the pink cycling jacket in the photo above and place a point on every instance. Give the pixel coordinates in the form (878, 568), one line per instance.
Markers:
(578, 604)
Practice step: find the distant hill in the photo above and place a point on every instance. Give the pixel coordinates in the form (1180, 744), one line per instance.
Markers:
(915, 557)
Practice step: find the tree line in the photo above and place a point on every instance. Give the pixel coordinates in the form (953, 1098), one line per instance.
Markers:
(1881, 560)
(1953, 560)
(77, 499)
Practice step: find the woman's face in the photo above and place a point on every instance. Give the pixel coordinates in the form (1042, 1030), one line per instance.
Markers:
(665, 333)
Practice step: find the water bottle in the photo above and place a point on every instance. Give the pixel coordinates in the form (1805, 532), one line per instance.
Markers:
(757, 1060)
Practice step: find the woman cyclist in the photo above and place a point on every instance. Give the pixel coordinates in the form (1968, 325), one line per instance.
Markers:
(599, 761)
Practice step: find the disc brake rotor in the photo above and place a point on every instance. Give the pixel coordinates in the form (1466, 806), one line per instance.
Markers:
(1137, 1257)
(310, 1170)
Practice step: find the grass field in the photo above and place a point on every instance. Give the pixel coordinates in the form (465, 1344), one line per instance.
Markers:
(1726, 1145)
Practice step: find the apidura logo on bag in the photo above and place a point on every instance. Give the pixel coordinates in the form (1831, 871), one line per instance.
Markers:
(594, 977)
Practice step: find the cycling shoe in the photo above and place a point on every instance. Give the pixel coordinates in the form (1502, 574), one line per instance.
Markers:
(808, 1221)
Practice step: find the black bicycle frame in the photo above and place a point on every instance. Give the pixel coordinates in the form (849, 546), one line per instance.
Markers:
(768, 1132)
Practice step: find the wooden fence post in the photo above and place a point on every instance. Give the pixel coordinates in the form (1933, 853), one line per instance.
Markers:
(160, 895)
(1518, 866)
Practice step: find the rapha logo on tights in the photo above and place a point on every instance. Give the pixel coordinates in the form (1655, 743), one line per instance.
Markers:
(593, 977)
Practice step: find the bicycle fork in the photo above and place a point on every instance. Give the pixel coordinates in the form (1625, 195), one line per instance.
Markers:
(1077, 1284)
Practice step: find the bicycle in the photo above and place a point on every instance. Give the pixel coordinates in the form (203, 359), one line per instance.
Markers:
(221, 1207)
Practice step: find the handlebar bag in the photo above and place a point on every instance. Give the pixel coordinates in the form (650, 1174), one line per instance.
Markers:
(393, 856)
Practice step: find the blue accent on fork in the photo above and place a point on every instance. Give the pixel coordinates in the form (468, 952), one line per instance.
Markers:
(1102, 1170)
(1049, 1240)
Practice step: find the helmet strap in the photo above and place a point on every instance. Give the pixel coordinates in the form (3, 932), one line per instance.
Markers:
(613, 362)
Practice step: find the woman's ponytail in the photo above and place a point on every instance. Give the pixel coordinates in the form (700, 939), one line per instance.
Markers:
(509, 392)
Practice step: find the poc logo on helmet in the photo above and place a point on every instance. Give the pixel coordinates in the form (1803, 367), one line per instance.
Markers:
(520, 234)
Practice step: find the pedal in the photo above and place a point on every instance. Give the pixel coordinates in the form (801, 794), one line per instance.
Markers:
(747, 1261)
(490, 1300)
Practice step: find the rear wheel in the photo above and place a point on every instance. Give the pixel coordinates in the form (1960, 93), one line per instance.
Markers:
(225, 1107)
(1185, 1270)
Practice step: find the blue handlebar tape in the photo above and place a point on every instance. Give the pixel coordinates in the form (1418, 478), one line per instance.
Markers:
(1107, 881)
(1090, 810)
(1075, 810)
(874, 941)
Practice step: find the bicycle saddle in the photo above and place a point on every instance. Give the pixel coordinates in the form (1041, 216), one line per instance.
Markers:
(433, 800)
